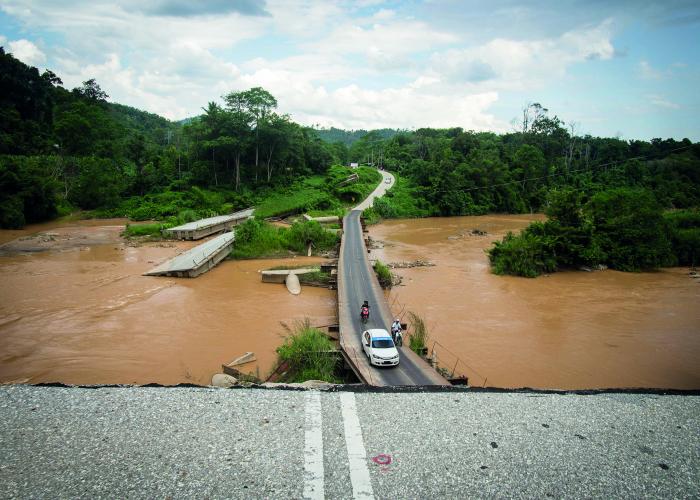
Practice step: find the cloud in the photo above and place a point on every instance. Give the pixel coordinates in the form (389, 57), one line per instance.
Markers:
(647, 72)
(519, 64)
(189, 8)
(661, 102)
(27, 52)
(353, 107)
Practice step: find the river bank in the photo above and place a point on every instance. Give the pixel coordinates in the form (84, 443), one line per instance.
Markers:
(568, 330)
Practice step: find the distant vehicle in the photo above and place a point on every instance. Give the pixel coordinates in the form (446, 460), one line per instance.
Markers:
(379, 347)
(387, 180)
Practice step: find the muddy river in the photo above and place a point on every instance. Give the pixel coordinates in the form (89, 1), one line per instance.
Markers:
(566, 330)
(74, 308)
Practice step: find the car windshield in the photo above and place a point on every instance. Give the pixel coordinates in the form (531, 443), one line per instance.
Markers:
(382, 343)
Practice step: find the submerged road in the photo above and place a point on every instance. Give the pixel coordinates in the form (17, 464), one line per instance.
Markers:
(359, 283)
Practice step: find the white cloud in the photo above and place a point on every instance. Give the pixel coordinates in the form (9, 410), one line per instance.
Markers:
(661, 101)
(521, 64)
(408, 106)
(647, 72)
(27, 52)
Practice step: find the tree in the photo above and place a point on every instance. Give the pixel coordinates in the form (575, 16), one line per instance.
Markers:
(92, 91)
(629, 229)
(257, 103)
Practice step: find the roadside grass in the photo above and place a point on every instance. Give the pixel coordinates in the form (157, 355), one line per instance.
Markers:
(402, 201)
(308, 352)
(383, 274)
(295, 201)
(418, 339)
(352, 193)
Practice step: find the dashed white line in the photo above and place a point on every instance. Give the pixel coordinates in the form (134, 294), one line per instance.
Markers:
(357, 456)
(313, 447)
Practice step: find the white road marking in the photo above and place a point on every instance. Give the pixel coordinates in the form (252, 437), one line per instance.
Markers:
(313, 447)
(357, 456)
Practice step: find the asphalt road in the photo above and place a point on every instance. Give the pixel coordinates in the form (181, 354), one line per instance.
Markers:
(254, 443)
(360, 285)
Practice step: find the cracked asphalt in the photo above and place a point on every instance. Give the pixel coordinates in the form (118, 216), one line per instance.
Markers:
(143, 442)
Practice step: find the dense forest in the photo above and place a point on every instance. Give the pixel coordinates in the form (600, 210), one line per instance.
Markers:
(62, 150)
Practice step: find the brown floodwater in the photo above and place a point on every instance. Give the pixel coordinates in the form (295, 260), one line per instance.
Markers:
(568, 330)
(74, 308)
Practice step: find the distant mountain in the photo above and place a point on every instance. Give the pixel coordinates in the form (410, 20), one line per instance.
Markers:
(155, 127)
(348, 137)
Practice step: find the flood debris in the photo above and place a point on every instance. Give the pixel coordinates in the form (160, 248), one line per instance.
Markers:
(411, 264)
(248, 357)
(463, 233)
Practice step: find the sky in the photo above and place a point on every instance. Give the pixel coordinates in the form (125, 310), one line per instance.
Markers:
(624, 68)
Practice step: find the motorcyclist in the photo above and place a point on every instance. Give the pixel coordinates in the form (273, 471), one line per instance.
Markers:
(395, 328)
(364, 311)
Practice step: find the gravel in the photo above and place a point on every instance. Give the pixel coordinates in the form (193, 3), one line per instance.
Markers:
(132, 442)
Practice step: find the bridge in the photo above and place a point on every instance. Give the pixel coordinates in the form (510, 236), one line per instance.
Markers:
(357, 283)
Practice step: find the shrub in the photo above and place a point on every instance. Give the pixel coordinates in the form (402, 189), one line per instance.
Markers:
(132, 230)
(306, 350)
(418, 339)
(525, 255)
(257, 238)
(383, 274)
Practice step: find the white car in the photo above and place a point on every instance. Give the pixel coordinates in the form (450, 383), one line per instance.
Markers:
(387, 180)
(379, 347)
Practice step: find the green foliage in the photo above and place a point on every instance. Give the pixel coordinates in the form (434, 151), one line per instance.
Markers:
(629, 229)
(308, 352)
(294, 201)
(371, 216)
(135, 230)
(348, 137)
(402, 201)
(190, 205)
(525, 255)
(684, 228)
(622, 228)
(355, 191)
(418, 340)
(100, 183)
(303, 233)
(27, 190)
(256, 238)
(383, 274)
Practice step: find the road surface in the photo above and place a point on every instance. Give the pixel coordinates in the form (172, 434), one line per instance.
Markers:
(254, 443)
(359, 284)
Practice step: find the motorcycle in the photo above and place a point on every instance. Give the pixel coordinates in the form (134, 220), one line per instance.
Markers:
(398, 337)
(364, 315)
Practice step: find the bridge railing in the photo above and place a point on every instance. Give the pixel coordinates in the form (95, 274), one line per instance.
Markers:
(450, 365)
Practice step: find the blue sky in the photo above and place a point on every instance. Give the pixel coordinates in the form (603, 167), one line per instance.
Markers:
(624, 68)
